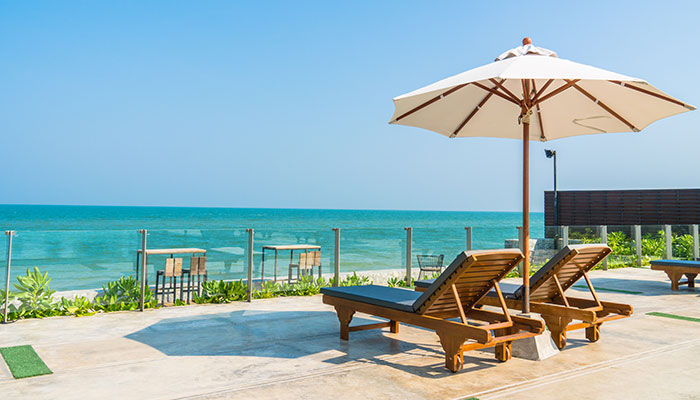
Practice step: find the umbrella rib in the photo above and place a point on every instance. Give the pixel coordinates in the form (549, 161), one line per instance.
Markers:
(496, 92)
(539, 112)
(431, 101)
(650, 93)
(503, 88)
(471, 115)
(604, 106)
(557, 91)
(539, 93)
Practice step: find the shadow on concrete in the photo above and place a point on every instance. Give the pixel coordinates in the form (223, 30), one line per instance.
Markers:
(640, 287)
(295, 335)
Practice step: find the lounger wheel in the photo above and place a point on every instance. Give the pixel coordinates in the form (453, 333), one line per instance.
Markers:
(503, 352)
(593, 333)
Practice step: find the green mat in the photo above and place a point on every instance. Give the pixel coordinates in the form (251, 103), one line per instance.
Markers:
(24, 362)
(682, 318)
(602, 289)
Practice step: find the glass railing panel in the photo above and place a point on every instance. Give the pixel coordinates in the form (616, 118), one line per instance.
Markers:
(377, 254)
(682, 243)
(76, 260)
(653, 243)
(62, 272)
(621, 241)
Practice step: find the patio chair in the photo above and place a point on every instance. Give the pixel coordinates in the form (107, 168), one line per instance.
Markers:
(198, 268)
(429, 263)
(547, 294)
(305, 265)
(455, 293)
(173, 270)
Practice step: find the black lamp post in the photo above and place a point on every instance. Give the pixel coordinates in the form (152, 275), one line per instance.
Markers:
(553, 154)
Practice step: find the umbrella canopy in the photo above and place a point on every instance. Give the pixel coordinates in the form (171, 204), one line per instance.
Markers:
(529, 93)
(565, 99)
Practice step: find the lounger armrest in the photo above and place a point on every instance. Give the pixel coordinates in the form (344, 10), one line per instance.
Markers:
(608, 307)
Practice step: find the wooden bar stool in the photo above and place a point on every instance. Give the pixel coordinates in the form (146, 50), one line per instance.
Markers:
(173, 270)
(198, 268)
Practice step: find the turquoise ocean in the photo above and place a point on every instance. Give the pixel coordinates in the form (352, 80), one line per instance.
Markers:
(82, 247)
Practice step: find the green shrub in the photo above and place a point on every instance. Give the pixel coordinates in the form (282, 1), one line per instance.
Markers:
(34, 296)
(124, 294)
(355, 280)
(398, 282)
(222, 292)
(80, 306)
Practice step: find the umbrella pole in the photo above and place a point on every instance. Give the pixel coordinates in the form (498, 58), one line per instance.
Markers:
(526, 217)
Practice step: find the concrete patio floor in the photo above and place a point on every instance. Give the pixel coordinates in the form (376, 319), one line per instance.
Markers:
(289, 348)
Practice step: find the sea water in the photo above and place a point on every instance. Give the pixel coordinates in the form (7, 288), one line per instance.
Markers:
(82, 247)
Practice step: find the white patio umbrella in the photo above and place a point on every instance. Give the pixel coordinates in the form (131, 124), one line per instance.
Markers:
(530, 94)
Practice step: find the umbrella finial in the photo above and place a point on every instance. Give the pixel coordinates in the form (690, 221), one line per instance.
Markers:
(527, 41)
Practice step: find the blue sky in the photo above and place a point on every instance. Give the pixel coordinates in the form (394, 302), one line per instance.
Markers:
(286, 104)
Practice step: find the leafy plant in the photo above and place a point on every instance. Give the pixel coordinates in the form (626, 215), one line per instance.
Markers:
(620, 244)
(222, 292)
(268, 290)
(80, 306)
(398, 282)
(34, 296)
(122, 295)
(355, 280)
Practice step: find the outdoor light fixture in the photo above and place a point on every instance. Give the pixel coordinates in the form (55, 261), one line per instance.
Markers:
(553, 154)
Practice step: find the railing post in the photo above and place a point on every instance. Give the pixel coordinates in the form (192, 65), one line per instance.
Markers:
(468, 230)
(638, 243)
(7, 277)
(143, 233)
(564, 236)
(336, 258)
(521, 247)
(696, 250)
(669, 243)
(251, 232)
(409, 250)
(604, 240)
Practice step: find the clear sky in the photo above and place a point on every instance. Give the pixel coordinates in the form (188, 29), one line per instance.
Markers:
(286, 104)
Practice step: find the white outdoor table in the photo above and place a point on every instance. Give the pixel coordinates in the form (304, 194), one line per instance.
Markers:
(172, 252)
(290, 247)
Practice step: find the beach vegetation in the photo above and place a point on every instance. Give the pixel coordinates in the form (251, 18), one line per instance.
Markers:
(222, 292)
(79, 306)
(124, 294)
(33, 298)
(400, 282)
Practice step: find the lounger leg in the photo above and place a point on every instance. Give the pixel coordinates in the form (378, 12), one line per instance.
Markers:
(503, 350)
(344, 316)
(691, 280)
(557, 327)
(394, 326)
(452, 345)
(675, 277)
(593, 333)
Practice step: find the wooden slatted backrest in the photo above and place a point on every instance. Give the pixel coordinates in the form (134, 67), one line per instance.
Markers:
(568, 265)
(305, 260)
(173, 267)
(315, 258)
(198, 265)
(473, 274)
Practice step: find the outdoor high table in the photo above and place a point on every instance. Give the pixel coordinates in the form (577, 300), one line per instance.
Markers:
(290, 247)
(172, 252)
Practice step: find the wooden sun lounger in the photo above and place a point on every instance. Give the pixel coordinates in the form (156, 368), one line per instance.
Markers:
(675, 269)
(454, 294)
(547, 294)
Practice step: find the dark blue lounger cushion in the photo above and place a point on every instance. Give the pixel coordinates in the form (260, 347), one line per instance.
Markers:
(398, 299)
(508, 289)
(677, 263)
